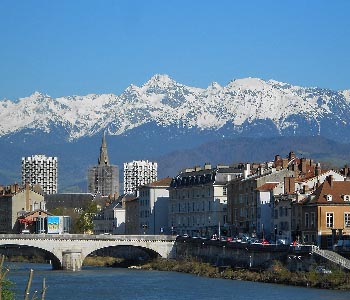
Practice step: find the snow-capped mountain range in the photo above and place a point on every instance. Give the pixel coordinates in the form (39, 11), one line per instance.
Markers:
(176, 125)
(249, 106)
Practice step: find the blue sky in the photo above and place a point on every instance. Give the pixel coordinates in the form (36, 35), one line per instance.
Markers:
(72, 47)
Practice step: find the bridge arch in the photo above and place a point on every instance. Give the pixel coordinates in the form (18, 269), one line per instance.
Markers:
(125, 251)
(29, 251)
(129, 253)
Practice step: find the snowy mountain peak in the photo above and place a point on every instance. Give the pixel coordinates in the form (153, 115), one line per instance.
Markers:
(159, 80)
(249, 83)
(237, 107)
(214, 86)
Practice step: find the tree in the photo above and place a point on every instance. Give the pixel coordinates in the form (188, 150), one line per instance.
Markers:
(84, 222)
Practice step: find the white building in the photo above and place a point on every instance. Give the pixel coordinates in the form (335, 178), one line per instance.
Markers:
(265, 208)
(137, 173)
(40, 170)
(111, 219)
(153, 207)
(198, 200)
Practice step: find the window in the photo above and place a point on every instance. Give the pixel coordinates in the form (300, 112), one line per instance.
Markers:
(346, 197)
(329, 220)
(329, 197)
(307, 220)
(224, 191)
(312, 220)
(347, 219)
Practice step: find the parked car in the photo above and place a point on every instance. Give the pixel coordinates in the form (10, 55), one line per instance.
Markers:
(282, 242)
(322, 270)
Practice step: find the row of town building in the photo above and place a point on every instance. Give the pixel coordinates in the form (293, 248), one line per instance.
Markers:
(286, 199)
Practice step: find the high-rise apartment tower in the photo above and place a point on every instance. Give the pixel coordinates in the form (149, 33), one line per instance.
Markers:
(40, 170)
(137, 173)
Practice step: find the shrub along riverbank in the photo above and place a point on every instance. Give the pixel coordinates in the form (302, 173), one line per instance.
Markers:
(277, 273)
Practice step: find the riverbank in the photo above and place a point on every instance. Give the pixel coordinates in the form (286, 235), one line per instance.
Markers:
(277, 273)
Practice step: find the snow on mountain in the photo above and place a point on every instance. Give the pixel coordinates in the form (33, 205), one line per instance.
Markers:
(166, 102)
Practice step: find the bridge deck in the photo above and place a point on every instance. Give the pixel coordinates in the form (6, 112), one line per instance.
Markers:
(67, 236)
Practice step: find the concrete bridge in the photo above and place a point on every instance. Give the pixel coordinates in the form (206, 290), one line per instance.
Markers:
(68, 251)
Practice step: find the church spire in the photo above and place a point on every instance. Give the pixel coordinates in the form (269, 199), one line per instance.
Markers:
(103, 159)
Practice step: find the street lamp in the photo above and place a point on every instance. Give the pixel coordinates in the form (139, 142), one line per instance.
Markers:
(262, 231)
(275, 234)
(144, 226)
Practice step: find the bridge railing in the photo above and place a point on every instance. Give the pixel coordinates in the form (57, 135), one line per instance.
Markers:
(67, 236)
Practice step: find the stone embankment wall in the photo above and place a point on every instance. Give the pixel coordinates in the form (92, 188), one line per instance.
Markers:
(222, 253)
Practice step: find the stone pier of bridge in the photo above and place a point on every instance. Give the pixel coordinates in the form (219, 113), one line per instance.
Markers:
(72, 260)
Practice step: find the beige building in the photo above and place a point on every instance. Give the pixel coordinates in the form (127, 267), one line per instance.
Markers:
(14, 202)
(245, 197)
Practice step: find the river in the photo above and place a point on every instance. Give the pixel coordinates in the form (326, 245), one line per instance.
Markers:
(124, 284)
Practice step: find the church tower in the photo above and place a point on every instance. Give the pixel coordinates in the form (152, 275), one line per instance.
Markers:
(103, 159)
(103, 179)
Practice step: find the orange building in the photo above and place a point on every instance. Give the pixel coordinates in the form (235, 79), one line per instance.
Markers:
(326, 213)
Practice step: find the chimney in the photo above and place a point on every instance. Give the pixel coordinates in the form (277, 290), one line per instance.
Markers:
(291, 155)
(318, 169)
(246, 171)
(207, 166)
(289, 185)
(330, 180)
(285, 163)
(303, 165)
(305, 188)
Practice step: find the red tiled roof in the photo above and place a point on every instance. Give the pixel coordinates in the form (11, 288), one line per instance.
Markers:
(267, 186)
(337, 189)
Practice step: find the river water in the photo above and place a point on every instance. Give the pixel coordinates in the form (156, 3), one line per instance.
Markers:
(125, 284)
